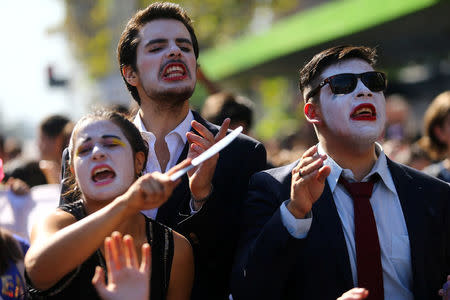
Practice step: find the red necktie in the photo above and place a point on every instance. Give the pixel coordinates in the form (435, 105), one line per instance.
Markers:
(368, 254)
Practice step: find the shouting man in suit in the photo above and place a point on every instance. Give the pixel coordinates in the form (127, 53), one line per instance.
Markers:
(158, 53)
(344, 215)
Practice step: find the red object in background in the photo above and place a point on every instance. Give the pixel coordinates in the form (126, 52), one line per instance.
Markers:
(2, 175)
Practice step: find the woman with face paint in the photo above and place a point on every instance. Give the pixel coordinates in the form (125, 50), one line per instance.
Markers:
(107, 156)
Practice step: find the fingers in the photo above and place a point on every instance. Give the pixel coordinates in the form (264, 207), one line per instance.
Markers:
(223, 130)
(323, 174)
(206, 137)
(179, 166)
(310, 152)
(99, 280)
(146, 262)
(355, 294)
(308, 170)
(118, 253)
(130, 252)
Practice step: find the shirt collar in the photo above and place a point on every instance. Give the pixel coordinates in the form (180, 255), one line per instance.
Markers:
(379, 168)
(180, 130)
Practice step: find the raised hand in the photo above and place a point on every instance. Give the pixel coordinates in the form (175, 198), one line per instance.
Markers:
(200, 177)
(445, 291)
(308, 181)
(126, 280)
(151, 190)
(354, 294)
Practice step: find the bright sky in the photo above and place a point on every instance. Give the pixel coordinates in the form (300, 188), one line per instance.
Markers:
(26, 51)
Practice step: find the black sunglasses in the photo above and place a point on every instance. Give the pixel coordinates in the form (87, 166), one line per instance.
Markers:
(345, 83)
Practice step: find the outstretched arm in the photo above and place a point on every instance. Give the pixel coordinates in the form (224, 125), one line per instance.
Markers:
(47, 262)
(125, 278)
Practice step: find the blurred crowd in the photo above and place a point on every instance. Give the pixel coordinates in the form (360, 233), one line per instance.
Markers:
(141, 170)
(30, 188)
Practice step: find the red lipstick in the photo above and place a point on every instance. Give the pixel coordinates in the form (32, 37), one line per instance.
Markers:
(364, 112)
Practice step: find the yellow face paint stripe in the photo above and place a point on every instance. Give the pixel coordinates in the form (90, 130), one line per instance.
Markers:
(117, 141)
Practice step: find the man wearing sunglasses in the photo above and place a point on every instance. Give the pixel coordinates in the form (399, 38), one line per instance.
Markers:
(343, 215)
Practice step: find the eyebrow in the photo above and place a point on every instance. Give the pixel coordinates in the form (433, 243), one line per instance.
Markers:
(110, 137)
(161, 41)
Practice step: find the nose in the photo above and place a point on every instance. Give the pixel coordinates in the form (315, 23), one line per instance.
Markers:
(98, 153)
(362, 91)
(174, 51)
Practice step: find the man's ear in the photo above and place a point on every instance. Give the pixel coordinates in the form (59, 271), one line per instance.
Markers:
(130, 75)
(312, 113)
(139, 162)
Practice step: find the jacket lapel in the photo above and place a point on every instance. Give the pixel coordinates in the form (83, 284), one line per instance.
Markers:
(409, 191)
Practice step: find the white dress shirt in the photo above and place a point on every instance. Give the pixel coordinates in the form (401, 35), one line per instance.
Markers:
(176, 139)
(391, 226)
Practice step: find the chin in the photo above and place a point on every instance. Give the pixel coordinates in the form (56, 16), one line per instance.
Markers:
(173, 97)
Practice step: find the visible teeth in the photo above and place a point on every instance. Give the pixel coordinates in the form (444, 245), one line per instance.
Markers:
(363, 110)
(174, 69)
(100, 170)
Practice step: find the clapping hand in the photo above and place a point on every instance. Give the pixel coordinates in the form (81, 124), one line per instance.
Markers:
(354, 294)
(308, 182)
(200, 177)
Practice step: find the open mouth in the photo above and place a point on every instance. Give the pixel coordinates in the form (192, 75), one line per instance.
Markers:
(102, 175)
(174, 71)
(364, 112)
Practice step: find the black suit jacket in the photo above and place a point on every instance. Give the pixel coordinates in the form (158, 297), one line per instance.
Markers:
(212, 231)
(271, 264)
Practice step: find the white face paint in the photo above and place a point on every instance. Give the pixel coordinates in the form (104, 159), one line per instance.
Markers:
(103, 160)
(165, 61)
(341, 120)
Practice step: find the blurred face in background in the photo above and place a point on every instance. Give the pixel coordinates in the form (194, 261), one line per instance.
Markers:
(50, 148)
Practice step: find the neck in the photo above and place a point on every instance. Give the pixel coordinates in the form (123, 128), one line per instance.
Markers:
(159, 119)
(360, 160)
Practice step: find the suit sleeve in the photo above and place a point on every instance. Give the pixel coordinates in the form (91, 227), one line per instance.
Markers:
(265, 250)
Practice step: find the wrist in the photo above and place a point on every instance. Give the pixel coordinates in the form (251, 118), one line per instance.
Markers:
(199, 196)
(122, 205)
(198, 202)
(298, 213)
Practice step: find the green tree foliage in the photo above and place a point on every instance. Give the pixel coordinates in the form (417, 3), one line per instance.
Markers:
(216, 21)
(86, 25)
(91, 28)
